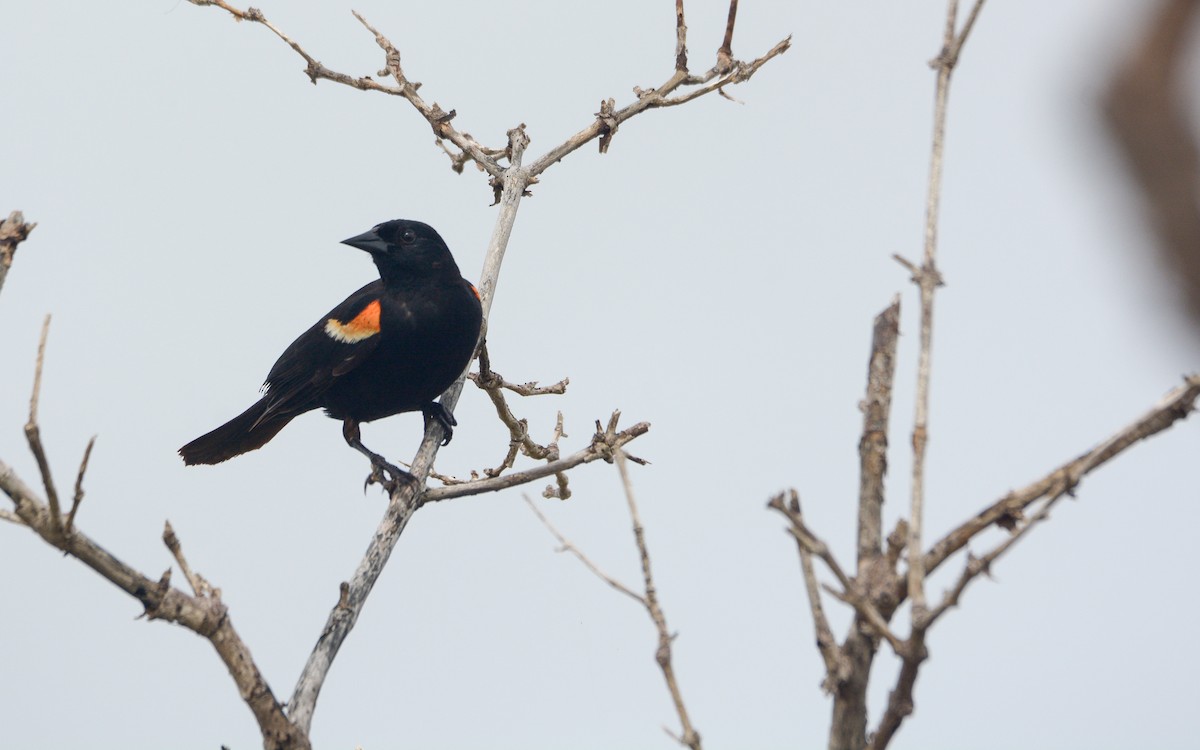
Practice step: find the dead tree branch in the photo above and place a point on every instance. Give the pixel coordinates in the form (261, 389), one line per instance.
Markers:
(688, 737)
(928, 279)
(494, 385)
(203, 614)
(1009, 510)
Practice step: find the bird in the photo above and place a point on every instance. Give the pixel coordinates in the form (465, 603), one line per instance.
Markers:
(393, 346)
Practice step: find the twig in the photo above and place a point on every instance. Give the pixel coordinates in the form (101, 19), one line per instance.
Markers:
(438, 119)
(977, 565)
(604, 444)
(689, 737)
(87, 454)
(13, 231)
(928, 279)
(493, 384)
(1176, 405)
(852, 593)
(649, 599)
(199, 586)
(837, 667)
(566, 545)
(33, 433)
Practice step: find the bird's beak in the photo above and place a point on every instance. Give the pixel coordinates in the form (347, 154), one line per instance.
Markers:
(368, 241)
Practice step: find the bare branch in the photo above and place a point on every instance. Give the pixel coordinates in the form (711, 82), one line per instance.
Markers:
(681, 61)
(438, 119)
(610, 118)
(200, 587)
(977, 565)
(690, 737)
(1176, 405)
(602, 447)
(928, 279)
(494, 384)
(725, 52)
(205, 616)
(567, 545)
(33, 433)
(852, 593)
(872, 447)
(837, 667)
(87, 454)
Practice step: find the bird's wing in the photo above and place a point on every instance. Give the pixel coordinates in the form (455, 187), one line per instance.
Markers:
(334, 346)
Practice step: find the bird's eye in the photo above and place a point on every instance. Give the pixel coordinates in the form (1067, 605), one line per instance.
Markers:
(408, 236)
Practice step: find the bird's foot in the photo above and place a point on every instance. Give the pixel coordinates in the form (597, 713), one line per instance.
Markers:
(388, 476)
(434, 410)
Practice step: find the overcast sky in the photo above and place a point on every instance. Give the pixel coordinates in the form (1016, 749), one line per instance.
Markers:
(715, 274)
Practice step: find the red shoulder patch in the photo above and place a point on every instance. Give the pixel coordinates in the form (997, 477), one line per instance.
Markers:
(360, 327)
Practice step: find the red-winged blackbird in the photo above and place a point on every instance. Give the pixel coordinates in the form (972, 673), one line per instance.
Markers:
(393, 346)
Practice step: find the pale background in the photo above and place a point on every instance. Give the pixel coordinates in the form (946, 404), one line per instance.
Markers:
(715, 274)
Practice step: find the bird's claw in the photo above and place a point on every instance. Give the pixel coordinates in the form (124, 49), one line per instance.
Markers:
(435, 411)
(391, 482)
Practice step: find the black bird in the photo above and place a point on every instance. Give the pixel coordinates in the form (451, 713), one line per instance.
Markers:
(391, 347)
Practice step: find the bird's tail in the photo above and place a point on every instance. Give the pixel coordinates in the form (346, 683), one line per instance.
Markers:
(246, 432)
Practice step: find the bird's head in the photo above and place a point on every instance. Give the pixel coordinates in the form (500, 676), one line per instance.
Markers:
(404, 248)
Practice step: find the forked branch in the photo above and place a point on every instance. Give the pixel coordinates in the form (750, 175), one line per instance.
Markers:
(688, 737)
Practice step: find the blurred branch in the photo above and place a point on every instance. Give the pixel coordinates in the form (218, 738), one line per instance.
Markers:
(13, 231)
(1146, 108)
(837, 666)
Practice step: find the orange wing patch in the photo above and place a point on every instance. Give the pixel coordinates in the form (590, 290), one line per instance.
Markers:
(474, 289)
(363, 326)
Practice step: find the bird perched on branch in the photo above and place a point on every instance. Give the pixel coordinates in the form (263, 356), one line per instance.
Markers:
(391, 347)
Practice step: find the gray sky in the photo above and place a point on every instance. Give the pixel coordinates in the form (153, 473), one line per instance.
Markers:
(715, 274)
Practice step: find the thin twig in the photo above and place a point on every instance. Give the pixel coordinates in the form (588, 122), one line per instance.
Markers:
(978, 565)
(928, 279)
(602, 447)
(199, 586)
(33, 433)
(689, 737)
(87, 454)
(836, 664)
(649, 599)
(852, 593)
(566, 545)
(1174, 406)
